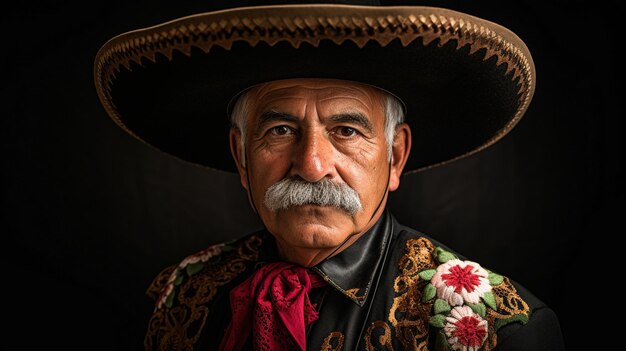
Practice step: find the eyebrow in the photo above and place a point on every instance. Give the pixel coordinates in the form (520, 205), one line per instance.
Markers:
(354, 118)
(351, 117)
(271, 116)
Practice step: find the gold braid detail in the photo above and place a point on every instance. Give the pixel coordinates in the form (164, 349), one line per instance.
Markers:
(384, 339)
(511, 307)
(180, 327)
(408, 315)
(333, 342)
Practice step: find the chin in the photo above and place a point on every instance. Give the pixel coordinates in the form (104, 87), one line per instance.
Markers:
(316, 237)
(314, 227)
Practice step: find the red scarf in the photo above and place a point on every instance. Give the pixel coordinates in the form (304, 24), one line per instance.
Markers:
(274, 305)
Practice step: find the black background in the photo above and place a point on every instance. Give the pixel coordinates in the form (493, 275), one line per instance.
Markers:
(91, 215)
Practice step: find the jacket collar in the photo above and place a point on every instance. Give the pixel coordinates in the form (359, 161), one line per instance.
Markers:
(352, 271)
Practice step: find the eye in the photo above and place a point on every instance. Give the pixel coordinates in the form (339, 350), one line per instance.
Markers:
(346, 132)
(280, 130)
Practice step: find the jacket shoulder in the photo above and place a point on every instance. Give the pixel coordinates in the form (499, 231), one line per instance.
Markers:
(542, 332)
(223, 257)
(467, 304)
(186, 293)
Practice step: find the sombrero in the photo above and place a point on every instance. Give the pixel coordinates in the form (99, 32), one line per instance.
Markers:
(465, 81)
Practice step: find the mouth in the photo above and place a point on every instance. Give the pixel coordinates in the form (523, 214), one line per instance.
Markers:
(313, 209)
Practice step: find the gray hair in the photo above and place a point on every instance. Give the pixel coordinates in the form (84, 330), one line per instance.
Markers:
(394, 116)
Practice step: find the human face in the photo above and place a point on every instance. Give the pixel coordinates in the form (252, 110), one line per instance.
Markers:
(314, 129)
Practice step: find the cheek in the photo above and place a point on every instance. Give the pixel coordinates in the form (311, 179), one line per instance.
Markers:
(367, 175)
(268, 153)
(267, 168)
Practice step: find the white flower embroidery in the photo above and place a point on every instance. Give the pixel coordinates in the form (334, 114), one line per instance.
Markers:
(201, 256)
(166, 292)
(465, 330)
(457, 281)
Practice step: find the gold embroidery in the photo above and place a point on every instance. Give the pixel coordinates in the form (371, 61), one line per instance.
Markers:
(511, 307)
(351, 293)
(333, 342)
(384, 339)
(408, 315)
(179, 327)
(509, 302)
(159, 283)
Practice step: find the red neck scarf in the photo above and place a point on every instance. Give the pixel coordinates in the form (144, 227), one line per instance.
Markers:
(274, 305)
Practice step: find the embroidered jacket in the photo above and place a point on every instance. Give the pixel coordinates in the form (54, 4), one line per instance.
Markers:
(393, 289)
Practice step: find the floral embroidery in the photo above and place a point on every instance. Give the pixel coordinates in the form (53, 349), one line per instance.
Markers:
(465, 329)
(188, 289)
(202, 256)
(191, 265)
(462, 291)
(457, 281)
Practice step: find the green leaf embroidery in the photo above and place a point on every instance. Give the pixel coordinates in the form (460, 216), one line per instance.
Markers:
(179, 278)
(429, 292)
(437, 320)
(441, 306)
(170, 299)
(478, 308)
(427, 274)
(194, 268)
(522, 318)
(490, 300)
(495, 279)
(441, 343)
(445, 256)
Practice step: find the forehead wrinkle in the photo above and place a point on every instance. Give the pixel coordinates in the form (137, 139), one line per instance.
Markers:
(328, 90)
(263, 104)
(267, 91)
(356, 90)
(268, 96)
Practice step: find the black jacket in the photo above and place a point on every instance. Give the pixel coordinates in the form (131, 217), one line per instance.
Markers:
(374, 299)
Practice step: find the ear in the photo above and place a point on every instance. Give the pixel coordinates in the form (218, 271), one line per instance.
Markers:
(237, 152)
(399, 154)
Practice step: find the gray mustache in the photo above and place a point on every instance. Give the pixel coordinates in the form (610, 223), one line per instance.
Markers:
(297, 192)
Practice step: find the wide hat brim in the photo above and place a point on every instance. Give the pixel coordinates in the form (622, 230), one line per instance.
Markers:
(465, 81)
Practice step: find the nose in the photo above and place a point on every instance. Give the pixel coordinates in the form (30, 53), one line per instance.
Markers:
(313, 159)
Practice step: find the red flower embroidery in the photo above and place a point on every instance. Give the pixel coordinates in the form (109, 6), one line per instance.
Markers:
(465, 329)
(459, 281)
(461, 277)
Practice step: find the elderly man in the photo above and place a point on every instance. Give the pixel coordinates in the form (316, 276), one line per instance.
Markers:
(318, 158)
(319, 139)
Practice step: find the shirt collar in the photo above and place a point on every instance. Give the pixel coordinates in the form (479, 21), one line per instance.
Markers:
(352, 271)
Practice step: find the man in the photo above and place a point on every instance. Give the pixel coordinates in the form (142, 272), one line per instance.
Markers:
(329, 106)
